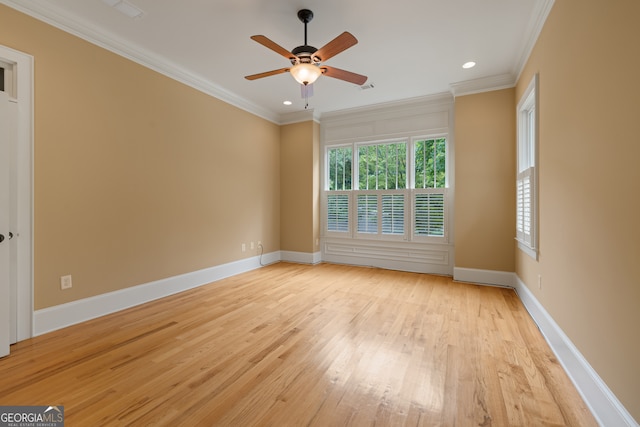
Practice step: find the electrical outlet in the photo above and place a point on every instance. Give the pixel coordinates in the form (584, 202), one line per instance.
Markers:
(244, 247)
(539, 281)
(252, 246)
(65, 282)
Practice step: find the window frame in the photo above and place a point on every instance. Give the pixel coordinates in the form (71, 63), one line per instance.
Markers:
(527, 170)
(409, 192)
(356, 192)
(327, 193)
(444, 190)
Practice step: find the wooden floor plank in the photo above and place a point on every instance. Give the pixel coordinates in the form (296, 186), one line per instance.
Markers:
(298, 345)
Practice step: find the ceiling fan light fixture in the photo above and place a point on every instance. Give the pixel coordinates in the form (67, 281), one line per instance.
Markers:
(305, 74)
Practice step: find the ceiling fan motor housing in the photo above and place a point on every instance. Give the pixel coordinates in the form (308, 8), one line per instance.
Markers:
(305, 55)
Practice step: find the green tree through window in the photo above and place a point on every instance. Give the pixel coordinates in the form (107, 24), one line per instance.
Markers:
(382, 166)
(430, 159)
(339, 168)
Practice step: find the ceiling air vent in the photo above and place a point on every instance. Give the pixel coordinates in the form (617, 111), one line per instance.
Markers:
(125, 7)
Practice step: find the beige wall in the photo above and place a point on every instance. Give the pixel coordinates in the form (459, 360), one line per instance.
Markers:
(485, 180)
(137, 177)
(589, 179)
(299, 152)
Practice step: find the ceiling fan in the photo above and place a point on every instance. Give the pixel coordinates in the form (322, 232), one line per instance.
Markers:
(306, 60)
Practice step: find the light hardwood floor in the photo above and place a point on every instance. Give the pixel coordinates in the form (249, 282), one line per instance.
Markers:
(297, 345)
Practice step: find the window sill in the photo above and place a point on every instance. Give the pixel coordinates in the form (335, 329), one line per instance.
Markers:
(524, 247)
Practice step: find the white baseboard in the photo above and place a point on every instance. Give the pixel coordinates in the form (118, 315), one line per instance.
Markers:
(485, 277)
(604, 405)
(60, 316)
(301, 257)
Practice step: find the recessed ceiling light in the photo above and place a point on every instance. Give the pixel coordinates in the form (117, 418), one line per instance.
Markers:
(469, 64)
(287, 102)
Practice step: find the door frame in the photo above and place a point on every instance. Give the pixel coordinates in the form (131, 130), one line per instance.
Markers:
(21, 191)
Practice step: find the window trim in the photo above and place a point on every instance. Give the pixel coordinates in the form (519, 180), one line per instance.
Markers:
(527, 165)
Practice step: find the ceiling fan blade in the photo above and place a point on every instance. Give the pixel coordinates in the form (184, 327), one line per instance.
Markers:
(347, 76)
(266, 74)
(264, 41)
(343, 42)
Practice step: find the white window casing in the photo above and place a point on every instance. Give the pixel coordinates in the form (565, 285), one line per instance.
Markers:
(527, 164)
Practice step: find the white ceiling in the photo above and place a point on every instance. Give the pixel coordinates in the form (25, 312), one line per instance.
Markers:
(407, 48)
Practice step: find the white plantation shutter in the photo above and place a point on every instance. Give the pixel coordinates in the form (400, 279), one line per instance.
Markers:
(393, 213)
(429, 213)
(524, 203)
(338, 212)
(367, 213)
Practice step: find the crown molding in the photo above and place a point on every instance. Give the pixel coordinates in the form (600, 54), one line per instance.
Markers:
(485, 84)
(71, 25)
(536, 23)
(505, 81)
(299, 116)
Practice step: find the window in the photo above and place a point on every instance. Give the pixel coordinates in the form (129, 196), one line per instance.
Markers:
(339, 165)
(430, 179)
(526, 218)
(398, 190)
(382, 168)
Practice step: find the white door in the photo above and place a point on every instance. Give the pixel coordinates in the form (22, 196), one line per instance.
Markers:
(16, 145)
(16, 153)
(5, 265)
